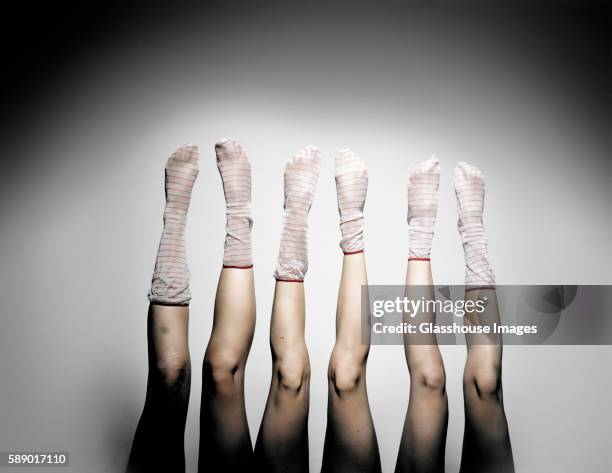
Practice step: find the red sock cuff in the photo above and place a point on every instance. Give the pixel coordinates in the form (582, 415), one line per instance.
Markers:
(347, 253)
(414, 258)
(237, 267)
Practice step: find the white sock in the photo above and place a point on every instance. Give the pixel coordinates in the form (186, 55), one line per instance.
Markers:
(351, 188)
(423, 184)
(235, 170)
(470, 191)
(170, 283)
(301, 175)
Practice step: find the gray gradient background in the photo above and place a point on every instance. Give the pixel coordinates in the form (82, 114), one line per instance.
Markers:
(521, 91)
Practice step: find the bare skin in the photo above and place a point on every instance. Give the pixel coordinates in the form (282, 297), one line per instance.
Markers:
(225, 441)
(350, 440)
(162, 424)
(486, 439)
(423, 441)
(282, 443)
(486, 443)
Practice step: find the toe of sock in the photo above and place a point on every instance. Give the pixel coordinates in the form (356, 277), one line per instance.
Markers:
(229, 148)
(311, 152)
(186, 153)
(466, 171)
(344, 153)
(349, 163)
(308, 154)
(430, 166)
(343, 158)
(464, 167)
(223, 142)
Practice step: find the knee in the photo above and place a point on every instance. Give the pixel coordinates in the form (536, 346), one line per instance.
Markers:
(221, 366)
(293, 371)
(173, 370)
(346, 372)
(484, 379)
(430, 376)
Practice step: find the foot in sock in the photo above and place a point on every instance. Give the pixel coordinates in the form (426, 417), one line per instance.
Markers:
(470, 191)
(235, 170)
(170, 283)
(351, 188)
(301, 175)
(423, 184)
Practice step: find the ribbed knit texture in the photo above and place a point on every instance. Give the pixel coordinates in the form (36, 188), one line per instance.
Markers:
(470, 191)
(423, 184)
(301, 175)
(170, 283)
(351, 188)
(235, 170)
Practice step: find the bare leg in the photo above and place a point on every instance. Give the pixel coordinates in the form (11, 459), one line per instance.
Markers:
(424, 436)
(350, 440)
(162, 424)
(486, 440)
(282, 444)
(225, 442)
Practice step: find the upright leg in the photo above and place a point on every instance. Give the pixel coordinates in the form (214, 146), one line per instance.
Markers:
(225, 442)
(162, 425)
(282, 443)
(423, 440)
(486, 440)
(350, 440)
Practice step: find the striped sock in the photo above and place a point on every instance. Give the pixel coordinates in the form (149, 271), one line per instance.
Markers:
(235, 170)
(301, 175)
(423, 184)
(351, 187)
(170, 283)
(470, 191)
